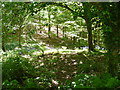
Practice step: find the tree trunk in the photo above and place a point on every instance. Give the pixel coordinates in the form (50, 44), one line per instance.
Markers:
(3, 42)
(89, 29)
(49, 26)
(74, 40)
(57, 30)
(63, 32)
(98, 38)
(3, 38)
(87, 18)
(112, 41)
(19, 36)
(113, 46)
(49, 29)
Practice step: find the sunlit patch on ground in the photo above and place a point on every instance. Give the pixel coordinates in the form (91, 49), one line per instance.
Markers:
(36, 53)
(64, 64)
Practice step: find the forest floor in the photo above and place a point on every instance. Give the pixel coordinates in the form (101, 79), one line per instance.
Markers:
(57, 42)
(60, 62)
(62, 66)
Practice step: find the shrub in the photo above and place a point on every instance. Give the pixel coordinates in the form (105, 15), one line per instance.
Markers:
(11, 84)
(88, 81)
(16, 68)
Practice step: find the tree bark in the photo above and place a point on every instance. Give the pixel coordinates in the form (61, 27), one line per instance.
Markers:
(87, 18)
(49, 29)
(57, 30)
(19, 36)
(3, 38)
(49, 26)
(112, 39)
(113, 46)
(63, 32)
(89, 29)
(3, 42)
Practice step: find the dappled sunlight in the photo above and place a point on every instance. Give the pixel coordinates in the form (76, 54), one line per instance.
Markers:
(60, 45)
(73, 60)
(42, 64)
(63, 71)
(36, 53)
(51, 51)
(75, 63)
(81, 62)
(55, 83)
(64, 66)
(26, 56)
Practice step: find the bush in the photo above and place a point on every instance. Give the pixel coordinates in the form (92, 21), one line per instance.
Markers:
(11, 84)
(18, 72)
(16, 68)
(88, 81)
(30, 83)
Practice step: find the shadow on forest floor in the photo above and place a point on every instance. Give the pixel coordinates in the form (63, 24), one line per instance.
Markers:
(65, 66)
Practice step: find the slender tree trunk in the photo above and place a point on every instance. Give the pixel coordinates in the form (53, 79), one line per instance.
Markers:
(3, 38)
(63, 32)
(94, 39)
(74, 40)
(89, 29)
(49, 29)
(49, 26)
(3, 42)
(40, 25)
(98, 38)
(57, 30)
(19, 36)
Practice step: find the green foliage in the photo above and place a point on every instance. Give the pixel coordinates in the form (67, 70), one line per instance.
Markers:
(19, 72)
(89, 81)
(10, 84)
(81, 81)
(11, 46)
(29, 49)
(30, 83)
(16, 68)
(30, 67)
(105, 80)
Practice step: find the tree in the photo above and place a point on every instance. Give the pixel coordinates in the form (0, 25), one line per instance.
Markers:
(78, 10)
(84, 12)
(88, 18)
(49, 21)
(109, 14)
(18, 10)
